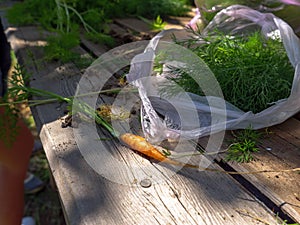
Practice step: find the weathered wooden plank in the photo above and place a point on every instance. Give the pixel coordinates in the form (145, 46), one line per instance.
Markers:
(141, 27)
(282, 189)
(292, 128)
(98, 49)
(177, 22)
(122, 34)
(134, 25)
(187, 197)
(274, 197)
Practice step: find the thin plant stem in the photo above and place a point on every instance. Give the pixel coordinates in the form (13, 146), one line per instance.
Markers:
(68, 16)
(59, 15)
(177, 156)
(86, 26)
(35, 102)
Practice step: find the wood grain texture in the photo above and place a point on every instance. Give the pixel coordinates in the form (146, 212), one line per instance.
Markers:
(187, 197)
(134, 25)
(282, 189)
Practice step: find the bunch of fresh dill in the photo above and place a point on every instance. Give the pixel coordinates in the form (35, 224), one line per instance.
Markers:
(252, 72)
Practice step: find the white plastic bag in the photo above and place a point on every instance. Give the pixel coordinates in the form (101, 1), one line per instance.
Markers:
(190, 116)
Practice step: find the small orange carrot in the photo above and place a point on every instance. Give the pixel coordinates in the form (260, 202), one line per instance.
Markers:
(141, 145)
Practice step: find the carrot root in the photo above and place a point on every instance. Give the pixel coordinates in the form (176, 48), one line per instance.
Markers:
(141, 145)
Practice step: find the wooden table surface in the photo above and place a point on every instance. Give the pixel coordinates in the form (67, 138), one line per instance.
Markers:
(152, 197)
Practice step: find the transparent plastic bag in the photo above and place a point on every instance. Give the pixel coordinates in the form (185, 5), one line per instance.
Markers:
(288, 10)
(190, 116)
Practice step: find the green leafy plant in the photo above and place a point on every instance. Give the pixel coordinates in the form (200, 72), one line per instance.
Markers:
(150, 9)
(60, 47)
(101, 38)
(252, 72)
(8, 123)
(26, 13)
(20, 92)
(66, 17)
(23, 92)
(244, 144)
(285, 223)
(62, 17)
(94, 13)
(156, 25)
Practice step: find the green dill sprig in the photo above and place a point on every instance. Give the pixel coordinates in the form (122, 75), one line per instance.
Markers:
(20, 92)
(253, 73)
(9, 129)
(243, 145)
